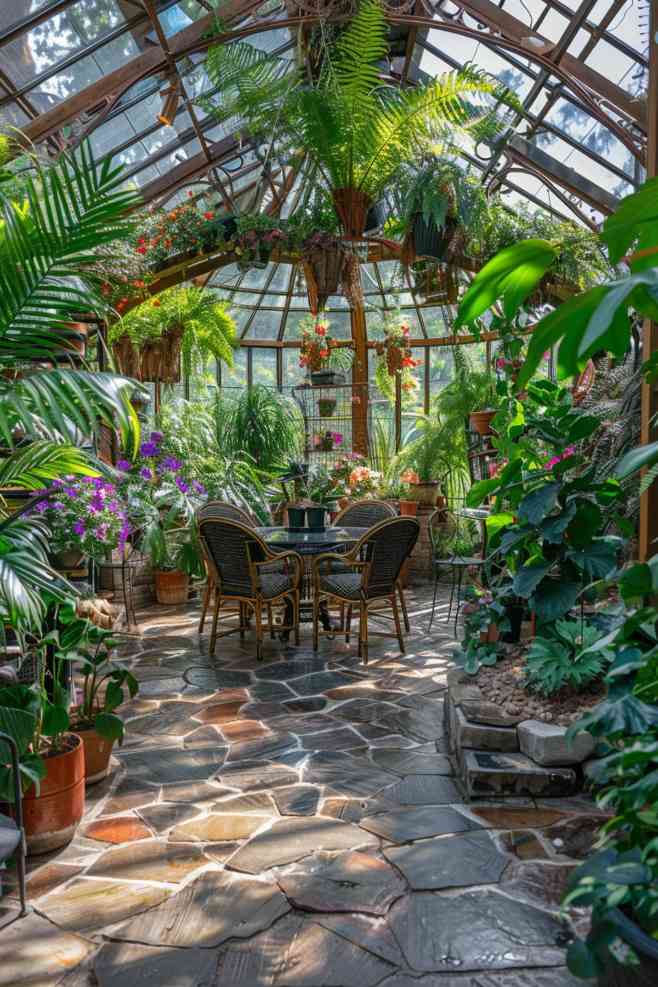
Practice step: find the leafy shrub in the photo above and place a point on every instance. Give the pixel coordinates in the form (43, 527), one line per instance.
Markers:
(567, 660)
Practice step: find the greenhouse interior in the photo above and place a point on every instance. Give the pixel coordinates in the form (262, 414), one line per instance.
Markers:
(328, 493)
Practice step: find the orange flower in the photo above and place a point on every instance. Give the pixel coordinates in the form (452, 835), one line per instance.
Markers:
(324, 354)
(156, 303)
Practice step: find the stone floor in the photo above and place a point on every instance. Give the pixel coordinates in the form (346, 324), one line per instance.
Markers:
(295, 823)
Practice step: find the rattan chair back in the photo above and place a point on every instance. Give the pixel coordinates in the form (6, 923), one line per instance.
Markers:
(230, 547)
(222, 509)
(364, 514)
(385, 548)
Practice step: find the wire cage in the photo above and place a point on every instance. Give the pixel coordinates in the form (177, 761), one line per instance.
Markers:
(328, 413)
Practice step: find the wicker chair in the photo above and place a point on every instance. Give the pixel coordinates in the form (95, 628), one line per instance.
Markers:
(365, 514)
(12, 834)
(457, 563)
(367, 574)
(244, 571)
(218, 509)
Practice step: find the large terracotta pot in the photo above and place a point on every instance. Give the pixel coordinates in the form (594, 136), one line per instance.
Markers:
(171, 587)
(52, 817)
(97, 752)
(408, 508)
(425, 492)
(480, 421)
(351, 205)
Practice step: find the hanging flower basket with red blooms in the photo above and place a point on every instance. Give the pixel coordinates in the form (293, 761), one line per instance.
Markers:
(395, 360)
(319, 350)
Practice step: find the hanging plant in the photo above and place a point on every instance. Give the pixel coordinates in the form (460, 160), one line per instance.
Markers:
(435, 283)
(395, 360)
(323, 260)
(319, 350)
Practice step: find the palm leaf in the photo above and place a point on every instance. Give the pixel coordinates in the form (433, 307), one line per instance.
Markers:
(41, 462)
(27, 581)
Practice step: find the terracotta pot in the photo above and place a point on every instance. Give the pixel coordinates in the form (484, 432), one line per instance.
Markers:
(51, 817)
(480, 421)
(351, 205)
(490, 636)
(408, 508)
(171, 587)
(97, 751)
(425, 492)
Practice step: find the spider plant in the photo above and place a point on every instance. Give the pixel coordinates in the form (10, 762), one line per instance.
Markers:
(262, 423)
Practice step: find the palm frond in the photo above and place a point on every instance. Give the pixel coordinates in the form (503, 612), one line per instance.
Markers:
(358, 51)
(41, 462)
(47, 245)
(27, 581)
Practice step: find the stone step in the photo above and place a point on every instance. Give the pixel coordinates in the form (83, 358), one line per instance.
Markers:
(478, 736)
(487, 774)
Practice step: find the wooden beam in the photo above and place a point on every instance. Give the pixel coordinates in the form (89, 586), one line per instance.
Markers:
(359, 381)
(198, 164)
(115, 83)
(649, 431)
(515, 30)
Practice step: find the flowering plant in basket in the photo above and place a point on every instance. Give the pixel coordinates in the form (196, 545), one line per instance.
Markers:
(87, 514)
(316, 346)
(327, 441)
(363, 482)
(395, 360)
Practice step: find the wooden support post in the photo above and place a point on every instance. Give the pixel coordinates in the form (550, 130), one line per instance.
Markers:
(359, 381)
(649, 500)
(398, 412)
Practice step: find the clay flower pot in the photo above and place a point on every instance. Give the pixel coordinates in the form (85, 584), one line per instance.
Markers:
(424, 492)
(52, 817)
(408, 508)
(171, 587)
(351, 205)
(480, 421)
(97, 751)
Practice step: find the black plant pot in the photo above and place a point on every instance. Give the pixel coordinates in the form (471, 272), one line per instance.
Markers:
(327, 377)
(429, 240)
(646, 947)
(296, 517)
(376, 216)
(515, 616)
(315, 517)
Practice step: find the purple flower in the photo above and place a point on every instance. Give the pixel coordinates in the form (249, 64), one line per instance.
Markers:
(94, 508)
(41, 507)
(101, 532)
(182, 485)
(79, 528)
(148, 450)
(198, 487)
(157, 437)
(71, 492)
(123, 465)
(171, 463)
(145, 473)
(59, 505)
(58, 484)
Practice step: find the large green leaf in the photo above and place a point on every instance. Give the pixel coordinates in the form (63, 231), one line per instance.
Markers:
(635, 210)
(528, 577)
(620, 714)
(20, 725)
(637, 459)
(538, 503)
(554, 598)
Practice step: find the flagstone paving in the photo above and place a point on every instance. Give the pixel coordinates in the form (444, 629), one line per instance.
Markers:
(295, 822)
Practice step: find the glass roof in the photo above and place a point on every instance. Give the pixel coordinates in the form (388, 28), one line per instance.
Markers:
(75, 67)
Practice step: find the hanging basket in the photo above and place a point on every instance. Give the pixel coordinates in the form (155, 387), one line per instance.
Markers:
(431, 240)
(351, 281)
(160, 358)
(127, 357)
(437, 285)
(323, 270)
(394, 357)
(352, 205)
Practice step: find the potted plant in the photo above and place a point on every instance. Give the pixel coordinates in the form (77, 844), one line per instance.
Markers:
(395, 360)
(327, 441)
(484, 620)
(185, 325)
(52, 763)
(101, 692)
(320, 354)
(408, 504)
(326, 407)
(321, 492)
(423, 456)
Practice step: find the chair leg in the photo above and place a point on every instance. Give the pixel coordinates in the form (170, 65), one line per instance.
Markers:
(207, 596)
(453, 583)
(258, 615)
(270, 620)
(20, 870)
(364, 642)
(295, 614)
(215, 619)
(403, 604)
(242, 617)
(348, 624)
(436, 588)
(316, 621)
(459, 596)
(396, 617)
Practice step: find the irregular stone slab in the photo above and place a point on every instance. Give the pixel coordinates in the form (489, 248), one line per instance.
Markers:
(342, 882)
(222, 712)
(480, 736)
(199, 792)
(271, 691)
(362, 710)
(216, 828)
(215, 907)
(215, 678)
(297, 952)
(449, 862)
(164, 815)
(410, 763)
(478, 930)
(424, 790)
(119, 963)
(207, 736)
(49, 877)
(574, 837)
(557, 977)
(270, 746)
(148, 860)
(513, 817)
(281, 671)
(389, 741)
(172, 719)
(464, 692)
(130, 793)
(312, 705)
(243, 730)
(547, 744)
(256, 776)
(488, 774)
(258, 802)
(293, 838)
(421, 724)
(415, 823)
(364, 690)
(311, 723)
(89, 904)
(174, 765)
(309, 685)
(543, 883)
(351, 810)
(35, 953)
(263, 711)
(346, 775)
(116, 829)
(298, 800)
(161, 688)
(332, 740)
(366, 931)
(523, 845)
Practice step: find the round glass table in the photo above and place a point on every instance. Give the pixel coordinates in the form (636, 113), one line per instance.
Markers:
(310, 544)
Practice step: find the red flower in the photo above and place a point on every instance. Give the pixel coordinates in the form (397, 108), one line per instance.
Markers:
(320, 329)
(324, 354)
(190, 194)
(208, 215)
(141, 250)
